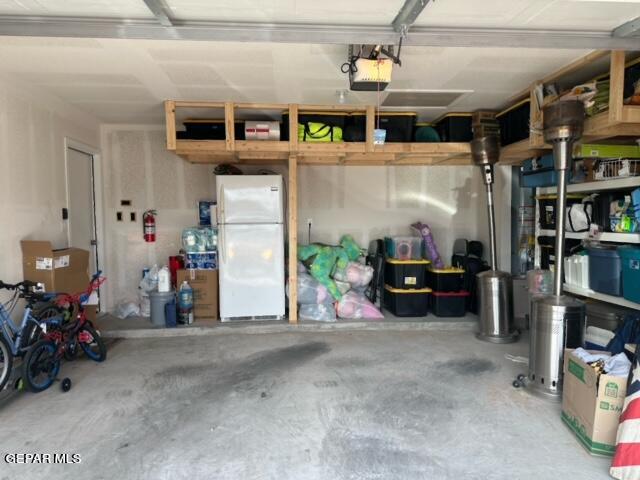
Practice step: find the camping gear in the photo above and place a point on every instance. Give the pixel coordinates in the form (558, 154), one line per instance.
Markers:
(557, 321)
(319, 132)
(494, 287)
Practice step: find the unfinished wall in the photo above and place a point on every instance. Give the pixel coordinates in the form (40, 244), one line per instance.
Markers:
(367, 202)
(33, 127)
(371, 202)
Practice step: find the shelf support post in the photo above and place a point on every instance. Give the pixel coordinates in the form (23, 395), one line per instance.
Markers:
(293, 127)
(616, 92)
(170, 120)
(371, 125)
(230, 125)
(293, 236)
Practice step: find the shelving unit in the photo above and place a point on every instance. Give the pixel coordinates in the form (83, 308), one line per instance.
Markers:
(598, 186)
(588, 293)
(602, 237)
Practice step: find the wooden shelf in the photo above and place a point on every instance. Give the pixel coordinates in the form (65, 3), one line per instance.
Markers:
(588, 293)
(515, 153)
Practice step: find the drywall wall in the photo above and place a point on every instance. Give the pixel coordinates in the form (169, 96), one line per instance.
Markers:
(33, 128)
(371, 202)
(366, 202)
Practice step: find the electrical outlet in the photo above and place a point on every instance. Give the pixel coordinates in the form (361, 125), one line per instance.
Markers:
(132, 216)
(309, 221)
(119, 216)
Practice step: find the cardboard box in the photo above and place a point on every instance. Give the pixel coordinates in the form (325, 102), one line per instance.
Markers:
(64, 270)
(205, 291)
(592, 404)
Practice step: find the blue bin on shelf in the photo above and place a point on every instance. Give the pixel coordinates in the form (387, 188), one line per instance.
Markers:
(630, 273)
(605, 270)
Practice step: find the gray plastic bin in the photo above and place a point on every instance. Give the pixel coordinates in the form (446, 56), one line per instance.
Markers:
(158, 301)
(605, 270)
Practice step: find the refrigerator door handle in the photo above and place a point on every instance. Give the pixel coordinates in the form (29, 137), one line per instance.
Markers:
(221, 204)
(221, 242)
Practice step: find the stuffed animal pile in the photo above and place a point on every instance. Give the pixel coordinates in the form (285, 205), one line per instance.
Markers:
(331, 279)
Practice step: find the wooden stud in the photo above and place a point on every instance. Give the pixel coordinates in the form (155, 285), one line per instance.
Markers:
(371, 125)
(170, 120)
(293, 239)
(229, 126)
(616, 88)
(293, 127)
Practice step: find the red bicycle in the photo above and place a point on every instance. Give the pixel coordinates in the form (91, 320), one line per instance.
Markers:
(42, 361)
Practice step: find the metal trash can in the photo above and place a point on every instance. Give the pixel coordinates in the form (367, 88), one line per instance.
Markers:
(158, 302)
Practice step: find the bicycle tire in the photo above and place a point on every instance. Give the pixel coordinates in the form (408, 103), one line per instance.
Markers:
(41, 358)
(32, 331)
(95, 350)
(6, 359)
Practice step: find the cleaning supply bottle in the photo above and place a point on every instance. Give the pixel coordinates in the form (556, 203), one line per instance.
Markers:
(185, 304)
(164, 280)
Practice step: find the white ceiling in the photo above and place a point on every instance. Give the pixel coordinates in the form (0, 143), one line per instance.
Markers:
(125, 81)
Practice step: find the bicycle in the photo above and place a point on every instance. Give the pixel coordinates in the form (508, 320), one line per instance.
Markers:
(43, 359)
(16, 340)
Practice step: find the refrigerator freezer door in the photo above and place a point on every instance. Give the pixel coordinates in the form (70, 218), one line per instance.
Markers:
(251, 259)
(246, 199)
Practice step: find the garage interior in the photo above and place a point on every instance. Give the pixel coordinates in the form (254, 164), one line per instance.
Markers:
(327, 238)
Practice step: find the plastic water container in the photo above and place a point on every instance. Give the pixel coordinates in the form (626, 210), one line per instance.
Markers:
(605, 270)
(158, 302)
(164, 280)
(630, 273)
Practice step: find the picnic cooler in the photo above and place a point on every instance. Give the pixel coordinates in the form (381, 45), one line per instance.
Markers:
(514, 122)
(630, 273)
(445, 279)
(208, 129)
(454, 127)
(449, 304)
(405, 274)
(407, 303)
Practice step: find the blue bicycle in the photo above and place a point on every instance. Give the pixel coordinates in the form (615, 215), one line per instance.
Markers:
(16, 340)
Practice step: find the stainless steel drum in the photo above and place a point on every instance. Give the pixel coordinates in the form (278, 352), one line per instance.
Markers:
(556, 323)
(496, 309)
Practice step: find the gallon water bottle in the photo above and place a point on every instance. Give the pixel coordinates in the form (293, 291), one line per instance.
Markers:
(164, 280)
(185, 304)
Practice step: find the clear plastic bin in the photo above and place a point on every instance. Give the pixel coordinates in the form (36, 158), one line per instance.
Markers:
(403, 248)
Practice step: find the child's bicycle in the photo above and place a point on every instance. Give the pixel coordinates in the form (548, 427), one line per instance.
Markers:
(42, 361)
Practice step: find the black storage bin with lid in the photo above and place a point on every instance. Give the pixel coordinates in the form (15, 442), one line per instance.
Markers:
(547, 208)
(449, 304)
(514, 122)
(355, 129)
(208, 129)
(445, 279)
(454, 127)
(407, 303)
(405, 274)
(548, 249)
(333, 119)
(399, 125)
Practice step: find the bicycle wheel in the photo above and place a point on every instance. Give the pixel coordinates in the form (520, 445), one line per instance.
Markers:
(41, 365)
(91, 343)
(6, 361)
(32, 331)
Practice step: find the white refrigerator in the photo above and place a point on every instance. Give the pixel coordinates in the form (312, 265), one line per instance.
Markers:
(251, 247)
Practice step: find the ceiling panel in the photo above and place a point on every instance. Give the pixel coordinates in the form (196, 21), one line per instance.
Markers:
(80, 8)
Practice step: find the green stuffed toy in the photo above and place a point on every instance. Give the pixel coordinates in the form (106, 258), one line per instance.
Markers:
(322, 260)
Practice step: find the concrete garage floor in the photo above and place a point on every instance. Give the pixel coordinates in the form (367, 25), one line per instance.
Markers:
(327, 405)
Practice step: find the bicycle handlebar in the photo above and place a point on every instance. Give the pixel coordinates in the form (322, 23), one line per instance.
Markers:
(25, 285)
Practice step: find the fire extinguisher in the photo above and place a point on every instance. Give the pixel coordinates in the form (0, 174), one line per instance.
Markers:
(149, 225)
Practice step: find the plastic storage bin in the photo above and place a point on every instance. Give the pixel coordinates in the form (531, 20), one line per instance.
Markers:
(547, 250)
(403, 248)
(605, 315)
(454, 127)
(208, 129)
(514, 122)
(405, 273)
(538, 172)
(399, 125)
(605, 270)
(425, 132)
(449, 304)
(445, 279)
(630, 257)
(547, 207)
(407, 303)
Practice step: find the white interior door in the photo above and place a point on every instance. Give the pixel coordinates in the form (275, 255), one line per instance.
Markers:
(251, 267)
(81, 204)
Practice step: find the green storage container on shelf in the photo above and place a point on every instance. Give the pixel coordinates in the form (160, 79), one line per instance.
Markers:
(630, 273)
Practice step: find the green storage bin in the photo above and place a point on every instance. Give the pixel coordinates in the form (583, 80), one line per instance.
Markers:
(630, 273)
